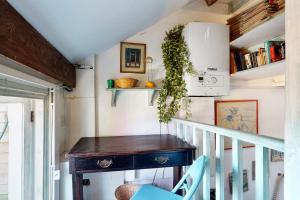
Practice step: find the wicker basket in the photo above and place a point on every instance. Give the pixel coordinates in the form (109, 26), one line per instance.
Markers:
(125, 192)
(126, 82)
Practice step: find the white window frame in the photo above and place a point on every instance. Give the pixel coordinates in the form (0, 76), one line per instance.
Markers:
(32, 89)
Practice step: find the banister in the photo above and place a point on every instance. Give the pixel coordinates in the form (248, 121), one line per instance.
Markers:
(265, 141)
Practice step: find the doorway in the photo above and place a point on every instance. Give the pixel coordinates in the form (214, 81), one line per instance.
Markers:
(21, 148)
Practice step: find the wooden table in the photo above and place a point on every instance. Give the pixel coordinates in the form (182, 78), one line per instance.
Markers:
(102, 154)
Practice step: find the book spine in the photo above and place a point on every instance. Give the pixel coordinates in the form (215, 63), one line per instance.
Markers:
(255, 58)
(243, 62)
(253, 62)
(233, 67)
(248, 61)
(238, 61)
(267, 49)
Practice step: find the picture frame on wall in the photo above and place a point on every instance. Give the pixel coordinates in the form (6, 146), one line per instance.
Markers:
(132, 58)
(277, 156)
(239, 115)
(245, 181)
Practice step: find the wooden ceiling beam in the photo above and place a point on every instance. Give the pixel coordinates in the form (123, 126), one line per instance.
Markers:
(20, 42)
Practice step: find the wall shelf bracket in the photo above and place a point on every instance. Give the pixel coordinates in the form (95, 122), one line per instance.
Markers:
(151, 97)
(114, 96)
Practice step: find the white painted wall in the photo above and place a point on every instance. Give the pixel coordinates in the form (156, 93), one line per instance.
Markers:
(271, 108)
(133, 116)
(292, 136)
(80, 106)
(132, 112)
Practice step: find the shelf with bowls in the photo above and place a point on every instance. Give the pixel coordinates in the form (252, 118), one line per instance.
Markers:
(115, 92)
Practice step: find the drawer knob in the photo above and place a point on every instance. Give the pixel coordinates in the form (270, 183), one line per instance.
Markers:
(104, 163)
(162, 159)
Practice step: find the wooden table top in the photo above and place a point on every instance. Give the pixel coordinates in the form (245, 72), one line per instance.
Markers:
(124, 145)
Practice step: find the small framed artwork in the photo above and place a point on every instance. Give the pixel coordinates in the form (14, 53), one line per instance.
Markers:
(240, 115)
(277, 156)
(253, 170)
(132, 58)
(245, 181)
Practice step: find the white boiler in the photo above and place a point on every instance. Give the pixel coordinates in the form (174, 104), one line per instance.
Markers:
(209, 52)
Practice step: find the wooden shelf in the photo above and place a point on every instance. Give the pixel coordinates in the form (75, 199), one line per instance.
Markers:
(266, 31)
(116, 91)
(269, 70)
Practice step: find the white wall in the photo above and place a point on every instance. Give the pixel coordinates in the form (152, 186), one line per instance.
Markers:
(132, 116)
(132, 113)
(271, 108)
(80, 105)
(292, 137)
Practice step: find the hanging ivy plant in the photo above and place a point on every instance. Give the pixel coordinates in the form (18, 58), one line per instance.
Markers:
(173, 95)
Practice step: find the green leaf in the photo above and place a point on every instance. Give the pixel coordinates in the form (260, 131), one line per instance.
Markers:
(173, 95)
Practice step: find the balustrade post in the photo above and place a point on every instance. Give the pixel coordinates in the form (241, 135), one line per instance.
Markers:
(220, 167)
(262, 172)
(206, 177)
(237, 170)
(178, 130)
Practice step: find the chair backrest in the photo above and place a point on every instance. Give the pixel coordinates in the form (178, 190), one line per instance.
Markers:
(192, 178)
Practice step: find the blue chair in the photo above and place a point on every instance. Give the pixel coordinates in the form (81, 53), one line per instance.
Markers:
(189, 182)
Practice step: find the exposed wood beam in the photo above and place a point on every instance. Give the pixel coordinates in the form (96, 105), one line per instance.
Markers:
(210, 2)
(20, 42)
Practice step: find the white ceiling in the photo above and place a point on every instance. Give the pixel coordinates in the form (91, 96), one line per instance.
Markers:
(79, 28)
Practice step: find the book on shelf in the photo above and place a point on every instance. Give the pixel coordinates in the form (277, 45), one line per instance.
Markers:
(275, 51)
(248, 61)
(238, 60)
(243, 59)
(254, 16)
(233, 65)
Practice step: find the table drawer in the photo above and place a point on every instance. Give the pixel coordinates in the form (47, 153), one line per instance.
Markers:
(156, 160)
(106, 163)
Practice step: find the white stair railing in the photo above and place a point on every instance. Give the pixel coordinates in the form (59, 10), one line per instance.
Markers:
(186, 129)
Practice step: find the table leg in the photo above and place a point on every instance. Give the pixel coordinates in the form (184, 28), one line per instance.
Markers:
(177, 174)
(77, 186)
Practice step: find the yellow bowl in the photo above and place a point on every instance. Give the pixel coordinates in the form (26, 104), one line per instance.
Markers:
(126, 82)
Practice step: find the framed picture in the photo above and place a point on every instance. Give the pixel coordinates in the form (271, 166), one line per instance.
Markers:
(239, 115)
(277, 156)
(132, 58)
(245, 181)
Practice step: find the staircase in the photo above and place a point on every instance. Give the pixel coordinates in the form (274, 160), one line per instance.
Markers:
(3, 170)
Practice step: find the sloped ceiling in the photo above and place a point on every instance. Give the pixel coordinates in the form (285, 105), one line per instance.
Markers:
(80, 28)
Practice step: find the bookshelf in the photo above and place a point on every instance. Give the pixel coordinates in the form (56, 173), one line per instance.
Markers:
(264, 71)
(268, 30)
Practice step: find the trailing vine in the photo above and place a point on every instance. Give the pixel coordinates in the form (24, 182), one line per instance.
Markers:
(173, 95)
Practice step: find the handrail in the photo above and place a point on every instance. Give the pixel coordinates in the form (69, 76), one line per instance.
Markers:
(263, 145)
(265, 141)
